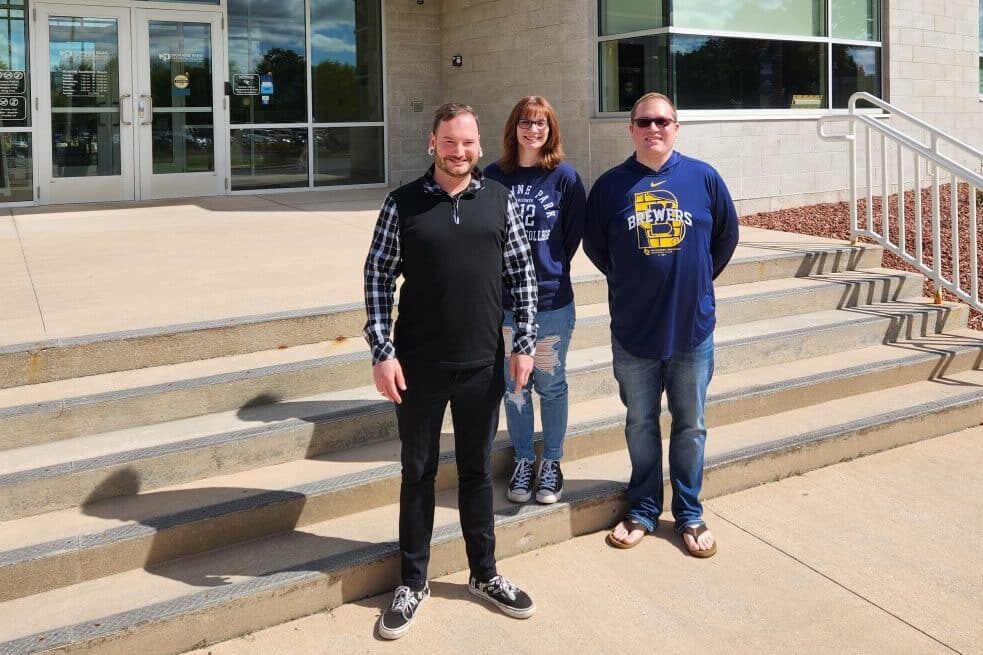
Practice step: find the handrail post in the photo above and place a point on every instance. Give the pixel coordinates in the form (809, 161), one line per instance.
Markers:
(936, 226)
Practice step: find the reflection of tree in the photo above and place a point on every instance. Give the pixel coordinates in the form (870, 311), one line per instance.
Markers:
(850, 75)
(744, 73)
(336, 92)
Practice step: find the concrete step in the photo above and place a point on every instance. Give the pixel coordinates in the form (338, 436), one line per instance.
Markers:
(39, 413)
(55, 475)
(58, 548)
(217, 595)
(768, 256)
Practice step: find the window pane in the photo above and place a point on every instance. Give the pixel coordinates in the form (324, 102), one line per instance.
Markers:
(346, 48)
(190, 2)
(721, 73)
(630, 68)
(16, 172)
(266, 159)
(856, 19)
(267, 44)
(620, 16)
(15, 109)
(855, 68)
(807, 17)
(348, 155)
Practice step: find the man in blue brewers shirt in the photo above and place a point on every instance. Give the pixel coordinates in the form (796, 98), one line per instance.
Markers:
(457, 239)
(661, 226)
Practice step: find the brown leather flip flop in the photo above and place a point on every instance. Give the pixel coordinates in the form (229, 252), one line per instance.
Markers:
(631, 525)
(695, 531)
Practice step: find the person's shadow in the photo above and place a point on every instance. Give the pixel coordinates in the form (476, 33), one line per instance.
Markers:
(180, 530)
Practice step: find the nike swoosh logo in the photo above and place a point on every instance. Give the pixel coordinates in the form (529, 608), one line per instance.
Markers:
(658, 184)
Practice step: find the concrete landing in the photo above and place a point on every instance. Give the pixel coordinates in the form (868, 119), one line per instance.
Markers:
(878, 555)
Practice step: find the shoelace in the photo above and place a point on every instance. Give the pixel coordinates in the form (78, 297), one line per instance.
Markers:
(547, 475)
(523, 474)
(402, 600)
(501, 584)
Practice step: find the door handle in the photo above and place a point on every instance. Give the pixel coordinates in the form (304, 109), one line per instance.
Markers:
(122, 109)
(146, 109)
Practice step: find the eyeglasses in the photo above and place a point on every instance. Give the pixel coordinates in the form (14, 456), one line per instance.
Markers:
(660, 121)
(527, 124)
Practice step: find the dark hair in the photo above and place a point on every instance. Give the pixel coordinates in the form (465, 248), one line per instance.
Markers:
(552, 152)
(449, 111)
(653, 96)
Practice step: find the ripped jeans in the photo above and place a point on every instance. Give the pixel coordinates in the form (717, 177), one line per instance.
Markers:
(549, 378)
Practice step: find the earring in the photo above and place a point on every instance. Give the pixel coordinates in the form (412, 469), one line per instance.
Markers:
(480, 154)
(430, 151)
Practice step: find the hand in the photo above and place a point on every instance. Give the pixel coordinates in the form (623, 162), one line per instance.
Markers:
(389, 381)
(520, 367)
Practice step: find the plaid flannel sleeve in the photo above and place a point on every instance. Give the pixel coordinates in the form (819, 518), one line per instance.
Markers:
(382, 267)
(520, 281)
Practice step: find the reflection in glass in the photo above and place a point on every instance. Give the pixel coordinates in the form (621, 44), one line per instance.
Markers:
(348, 155)
(727, 73)
(621, 16)
(84, 56)
(855, 68)
(85, 145)
(346, 49)
(183, 142)
(267, 39)
(266, 159)
(856, 19)
(631, 67)
(805, 17)
(15, 88)
(181, 88)
(16, 167)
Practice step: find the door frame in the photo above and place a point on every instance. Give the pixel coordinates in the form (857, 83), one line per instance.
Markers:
(148, 185)
(130, 184)
(52, 190)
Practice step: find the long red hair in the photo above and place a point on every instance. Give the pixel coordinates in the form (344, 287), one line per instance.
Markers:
(532, 108)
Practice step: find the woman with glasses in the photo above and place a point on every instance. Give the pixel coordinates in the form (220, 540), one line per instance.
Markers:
(552, 200)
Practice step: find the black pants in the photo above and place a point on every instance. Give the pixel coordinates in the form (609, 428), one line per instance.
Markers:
(474, 396)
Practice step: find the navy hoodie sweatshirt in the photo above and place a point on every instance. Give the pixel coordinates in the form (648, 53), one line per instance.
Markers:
(661, 237)
(552, 205)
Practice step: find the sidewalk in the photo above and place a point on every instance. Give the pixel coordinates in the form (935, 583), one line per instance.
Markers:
(880, 555)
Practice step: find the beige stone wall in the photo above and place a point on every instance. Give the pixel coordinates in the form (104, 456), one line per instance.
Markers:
(412, 42)
(514, 48)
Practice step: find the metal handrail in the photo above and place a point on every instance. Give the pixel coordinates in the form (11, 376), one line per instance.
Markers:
(937, 165)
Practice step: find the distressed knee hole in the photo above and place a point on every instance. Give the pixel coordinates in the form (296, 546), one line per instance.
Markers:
(547, 357)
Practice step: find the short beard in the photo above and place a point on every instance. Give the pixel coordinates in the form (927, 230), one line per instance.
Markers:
(439, 162)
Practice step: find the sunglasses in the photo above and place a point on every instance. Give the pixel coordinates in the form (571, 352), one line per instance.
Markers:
(660, 121)
(527, 124)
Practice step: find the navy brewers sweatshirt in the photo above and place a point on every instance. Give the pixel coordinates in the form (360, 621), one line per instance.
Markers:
(661, 237)
(552, 205)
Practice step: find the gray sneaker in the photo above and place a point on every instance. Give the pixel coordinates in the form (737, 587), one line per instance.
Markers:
(550, 482)
(520, 484)
(396, 621)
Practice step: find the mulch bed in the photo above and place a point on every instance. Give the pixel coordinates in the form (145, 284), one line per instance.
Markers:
(832, 220)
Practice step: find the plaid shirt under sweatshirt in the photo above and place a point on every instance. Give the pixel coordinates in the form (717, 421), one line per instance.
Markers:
(385, 263)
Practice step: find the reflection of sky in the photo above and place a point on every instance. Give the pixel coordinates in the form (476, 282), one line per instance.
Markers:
(258, 26)
(766, 16)
(333, 31)
(864, 58)
(683, 45)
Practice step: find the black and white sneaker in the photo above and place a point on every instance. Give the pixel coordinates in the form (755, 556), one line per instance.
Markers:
(520, 485)
(396, 621)
(550, 482)
(503, 594)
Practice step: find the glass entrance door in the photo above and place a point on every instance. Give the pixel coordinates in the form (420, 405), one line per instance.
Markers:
(178, 104)
(86, 154)
(135, 102)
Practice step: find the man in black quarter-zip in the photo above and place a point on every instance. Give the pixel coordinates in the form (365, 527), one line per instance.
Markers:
(456, 238)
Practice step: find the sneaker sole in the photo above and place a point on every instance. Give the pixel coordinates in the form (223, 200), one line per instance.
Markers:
(549, 499)
(505, 609)
(386, 633)
(518, 498)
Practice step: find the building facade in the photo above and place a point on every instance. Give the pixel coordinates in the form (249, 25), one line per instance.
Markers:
(104, 100)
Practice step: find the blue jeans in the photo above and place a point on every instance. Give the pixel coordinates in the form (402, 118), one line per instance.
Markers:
(684, 377)
(549, 378)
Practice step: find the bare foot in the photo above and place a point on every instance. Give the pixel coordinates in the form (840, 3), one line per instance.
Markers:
(625, 537)
(699, 540)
